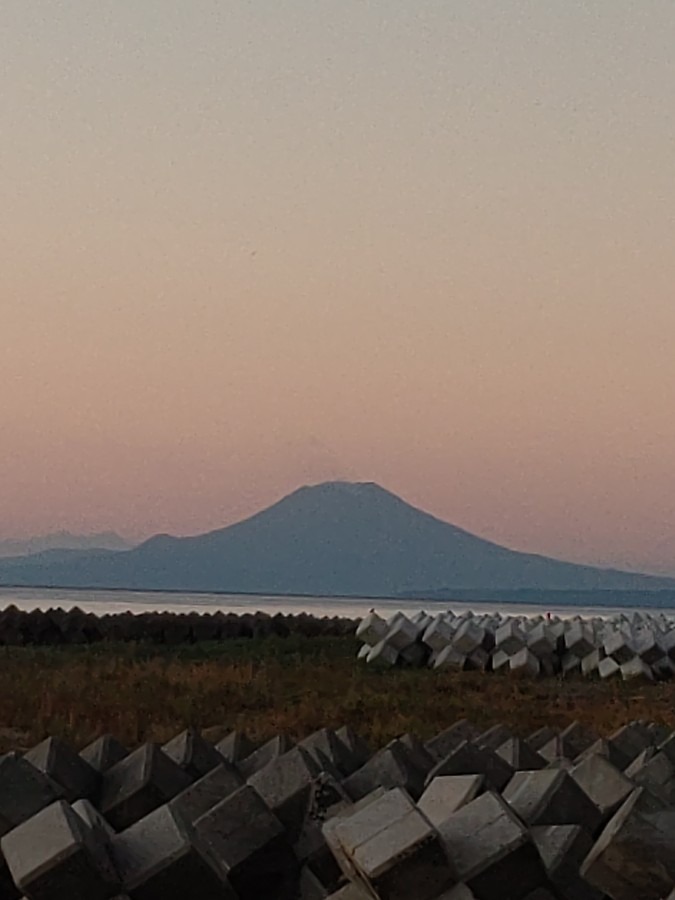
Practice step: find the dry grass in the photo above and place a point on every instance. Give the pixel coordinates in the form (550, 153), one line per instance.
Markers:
(295, 685)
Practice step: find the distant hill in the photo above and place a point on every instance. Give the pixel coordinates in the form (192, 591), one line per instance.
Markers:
(334, 539)
(63, 540)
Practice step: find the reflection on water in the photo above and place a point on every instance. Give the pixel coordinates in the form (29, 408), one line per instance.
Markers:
(102, 602)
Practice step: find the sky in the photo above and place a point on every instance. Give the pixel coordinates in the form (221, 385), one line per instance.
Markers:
(251, 245)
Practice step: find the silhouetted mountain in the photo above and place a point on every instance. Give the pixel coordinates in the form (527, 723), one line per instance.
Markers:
(333, 539)
(63, 540)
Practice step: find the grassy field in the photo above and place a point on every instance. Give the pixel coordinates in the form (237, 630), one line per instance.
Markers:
(265, 686)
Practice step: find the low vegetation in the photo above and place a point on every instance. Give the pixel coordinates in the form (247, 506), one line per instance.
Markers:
(144, 692)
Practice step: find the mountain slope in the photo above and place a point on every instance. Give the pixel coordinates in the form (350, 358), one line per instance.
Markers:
(332, 539)
(62, 541)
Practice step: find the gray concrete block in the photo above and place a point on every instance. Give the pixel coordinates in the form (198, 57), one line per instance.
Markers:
(235, 747)
(55, 855)
(448, 740)
(520, 756)
(494, 737)
(450, 658)
(390, 847)
(355, 744)
(609, 750)
(248, 845)
(201, 796)
(541, 737)
(634, 857)
(406, 859)
(158, 859)
(325, 744)
(103, 753)
(383, 655)
(469, 759)
(448, 793)
(137, 785)
(563, 848)
(192, 753)
(606, 785)
(491, 850)
(67, 768)
(551, 797)
(24, 791)
(631, 740)
(391, 767)
(264, 755)
(93, 819)
(286, 785)
(608, 668)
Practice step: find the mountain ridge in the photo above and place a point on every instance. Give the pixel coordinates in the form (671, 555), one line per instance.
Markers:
(332, 539)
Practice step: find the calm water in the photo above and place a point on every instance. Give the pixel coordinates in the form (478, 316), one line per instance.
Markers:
(101, 602)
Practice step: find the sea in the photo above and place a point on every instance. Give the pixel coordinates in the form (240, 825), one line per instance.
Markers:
(108, 602)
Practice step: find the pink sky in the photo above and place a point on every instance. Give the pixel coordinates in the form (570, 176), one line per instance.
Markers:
(432, 249)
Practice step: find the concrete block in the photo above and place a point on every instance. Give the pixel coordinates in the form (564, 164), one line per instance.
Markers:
(67, 768)
(491, 850)
(201, 796)
(415, 655)
(391, 767)
(285, 785)
(551, 797)
(468, 637)
(93, 819)
(494, 737)
(469, 759)
(590, 663)
(438, 634)
(450, 658)
(402, 634)
(636, 668)
(248, 845)
(235, 747)
(264, 755)
(631, 740)
(137, 785)
(383, 655)
(563, 848)
(355, 744)
(520, 756)
(391, 848)
(608, 667)
(607, 787)
(24, 791)
(158, 859)
(510, 638)
(541, 641)
(448, 793)
(525, 662)
(103, 753)
(619, 647)
(634, 857)
(371, 629)
(417, 753)
(579, 640)
(54, 855)
(192, 753)
(325, 744)
(448, 740)
(609, 750)
(541, 737)
(500, 661)
(406, 859)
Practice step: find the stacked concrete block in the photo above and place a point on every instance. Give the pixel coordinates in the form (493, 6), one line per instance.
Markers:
(470, 815)
(620, 647)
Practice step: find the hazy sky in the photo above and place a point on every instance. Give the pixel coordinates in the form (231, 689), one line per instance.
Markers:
(250, 245)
